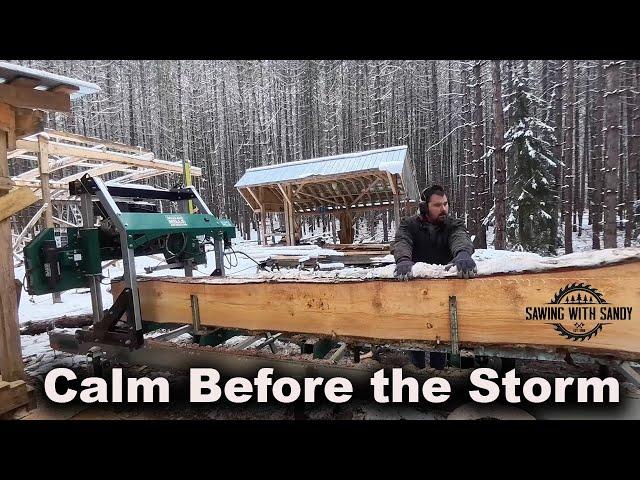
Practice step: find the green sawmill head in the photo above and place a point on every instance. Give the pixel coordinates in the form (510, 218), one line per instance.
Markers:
(60, 259)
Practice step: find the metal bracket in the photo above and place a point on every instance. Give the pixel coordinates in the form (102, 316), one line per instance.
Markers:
(165, 266)
(106, 331)
(453, 319)
(195, 315)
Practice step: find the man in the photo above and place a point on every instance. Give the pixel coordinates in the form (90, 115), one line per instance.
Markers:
(432, 236)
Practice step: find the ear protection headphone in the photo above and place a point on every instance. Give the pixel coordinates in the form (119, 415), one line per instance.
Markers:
(423, 206)
(425, 195)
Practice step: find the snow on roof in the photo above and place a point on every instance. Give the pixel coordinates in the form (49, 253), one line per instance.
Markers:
(9, 71)
(393, 160)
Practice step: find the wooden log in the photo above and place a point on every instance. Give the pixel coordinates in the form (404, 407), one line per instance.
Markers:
(76, 321)
(491, 310)
(16, 200)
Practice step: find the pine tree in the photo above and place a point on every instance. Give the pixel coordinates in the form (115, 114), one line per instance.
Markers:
(530, 201)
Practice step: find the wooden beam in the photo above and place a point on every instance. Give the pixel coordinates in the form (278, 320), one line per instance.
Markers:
(54, 166)
(292, 222)
(60, 221)
(246, 199)
(88, 153)
(284, 194)
(11, 365)
(144, 174)
(16, 200)
(263, 218)
(25, 230)
(68, 89)
(25, 82)
(6, 185)
(73, 137)
(357, 188)
(7, 119)
(354, 210)
(414, 311)
(53, 184)
(43, 166)
(368, 189)
(18, 153)
(14, 395)
(341, 189)
(322, 200)
(396, 200)
(94, 172)
(255, 197)
(30, 98)
(392, 183)
(28, 122)
(287, 219)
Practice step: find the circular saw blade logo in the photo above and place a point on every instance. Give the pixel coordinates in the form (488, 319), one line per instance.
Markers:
(578, 311)
(581, 295)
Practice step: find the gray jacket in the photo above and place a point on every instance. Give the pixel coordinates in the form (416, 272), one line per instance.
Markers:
(419, 240)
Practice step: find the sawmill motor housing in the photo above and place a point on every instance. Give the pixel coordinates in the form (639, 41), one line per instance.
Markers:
(60, 259)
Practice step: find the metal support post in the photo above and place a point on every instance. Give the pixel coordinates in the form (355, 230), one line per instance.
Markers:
(88, 221)
(218, 246)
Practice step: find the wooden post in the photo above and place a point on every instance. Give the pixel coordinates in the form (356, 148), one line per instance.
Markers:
(11, 366)
(396, 202)
(263, 218)
(333, 228)
(385, 226)
(287, 227)
(43, 165)
(258, 231)
(292, 223)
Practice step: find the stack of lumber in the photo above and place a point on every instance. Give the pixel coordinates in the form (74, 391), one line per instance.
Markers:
(360, 247)
(351, 254)
(14, 395)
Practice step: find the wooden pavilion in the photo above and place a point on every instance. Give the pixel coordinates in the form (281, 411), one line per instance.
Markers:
(340, 185)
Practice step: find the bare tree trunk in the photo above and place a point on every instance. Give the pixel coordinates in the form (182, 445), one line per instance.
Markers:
(500, 193)
(598, 152)
(634, 160)
(436, 153)
(568, 171)
(480, 230)
(449, 185)
(577, 166)
(466, 145)
(558, 148)
(585, 152)
(612, 126)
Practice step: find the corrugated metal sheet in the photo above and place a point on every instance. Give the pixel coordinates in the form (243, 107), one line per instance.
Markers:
(393, 160)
